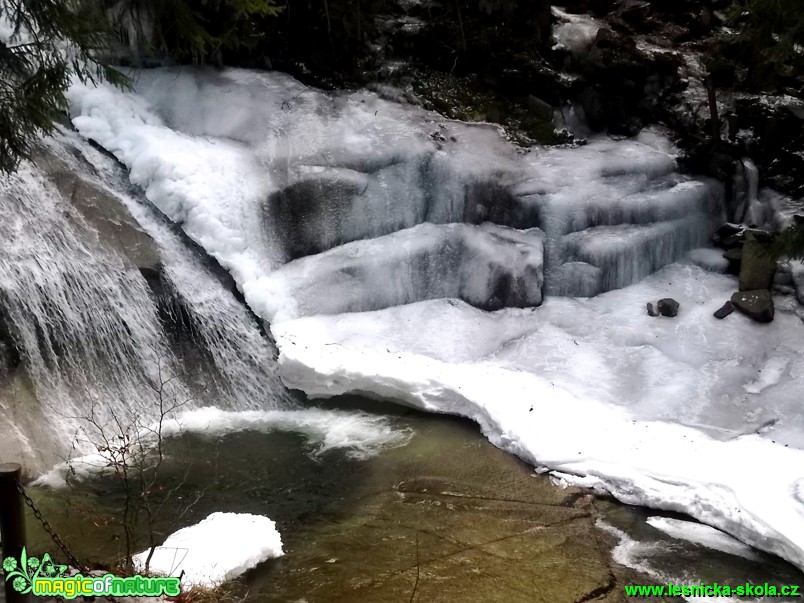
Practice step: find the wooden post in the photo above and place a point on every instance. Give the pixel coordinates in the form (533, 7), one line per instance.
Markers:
(12, 522)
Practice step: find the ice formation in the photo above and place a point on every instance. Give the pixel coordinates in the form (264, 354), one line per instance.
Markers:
(701, 534)
(324, 204)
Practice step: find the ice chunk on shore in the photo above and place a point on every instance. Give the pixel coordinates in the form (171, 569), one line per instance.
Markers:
(704, 535)
(221, 547)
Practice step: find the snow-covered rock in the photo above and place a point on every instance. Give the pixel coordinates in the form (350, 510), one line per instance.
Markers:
(488, 266)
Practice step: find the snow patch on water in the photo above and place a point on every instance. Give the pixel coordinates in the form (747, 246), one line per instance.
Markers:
(221, 547)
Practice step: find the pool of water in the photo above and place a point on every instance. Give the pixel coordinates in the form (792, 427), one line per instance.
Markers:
(446, 517)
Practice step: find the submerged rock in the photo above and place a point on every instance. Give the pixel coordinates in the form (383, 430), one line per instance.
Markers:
(668, 307)
(756, 304)
(651, 310)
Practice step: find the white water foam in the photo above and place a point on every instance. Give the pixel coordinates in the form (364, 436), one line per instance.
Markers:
(358, 435)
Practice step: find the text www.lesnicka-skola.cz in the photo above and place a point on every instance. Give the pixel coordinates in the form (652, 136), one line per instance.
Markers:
(713, 590)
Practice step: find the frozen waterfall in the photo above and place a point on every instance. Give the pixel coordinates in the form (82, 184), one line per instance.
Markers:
(346, 220)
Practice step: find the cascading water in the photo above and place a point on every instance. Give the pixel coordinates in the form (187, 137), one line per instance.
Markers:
(81, 320)
(86, 326)
(200, 299)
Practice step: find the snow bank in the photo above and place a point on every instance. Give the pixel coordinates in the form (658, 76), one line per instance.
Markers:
(219, 548)
(595, 405)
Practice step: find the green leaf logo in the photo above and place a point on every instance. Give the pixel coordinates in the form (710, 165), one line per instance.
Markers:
(18, 572)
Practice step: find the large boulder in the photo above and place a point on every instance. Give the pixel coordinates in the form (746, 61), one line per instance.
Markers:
(758, 265)
(115, 227)
(757, 304)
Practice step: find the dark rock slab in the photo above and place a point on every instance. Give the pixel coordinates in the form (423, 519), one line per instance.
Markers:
(729, 232)
(724, 310)
(757, 304)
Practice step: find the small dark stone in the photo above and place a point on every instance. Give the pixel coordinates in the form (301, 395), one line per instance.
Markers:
(668, 307)
(651, 310)
(725, 310)
(757, 305)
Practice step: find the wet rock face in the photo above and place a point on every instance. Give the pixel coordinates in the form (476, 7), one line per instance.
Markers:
(9, 356)
(772, 131)
(115, 227)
